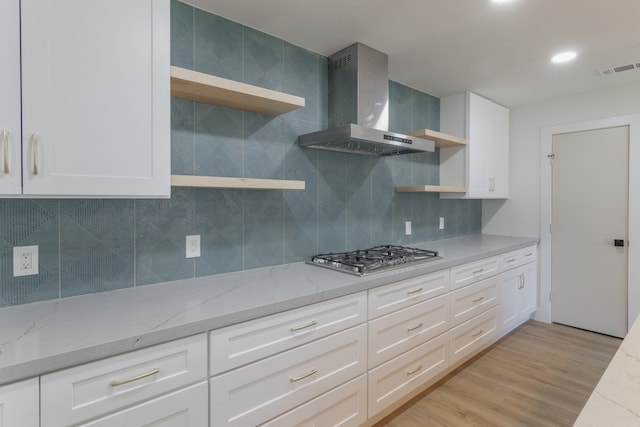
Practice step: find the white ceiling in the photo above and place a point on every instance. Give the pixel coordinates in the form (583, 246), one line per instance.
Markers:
(442, 47)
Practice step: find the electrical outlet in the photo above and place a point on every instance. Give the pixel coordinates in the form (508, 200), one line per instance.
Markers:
(193, 246)
(441, 223)
(25, 260)
(407, 228)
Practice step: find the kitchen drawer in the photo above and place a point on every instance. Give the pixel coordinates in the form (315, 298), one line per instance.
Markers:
(518, 257)
(473, 335)
(258, 392)
(398, 332)
(345, 406)
(91, 390)
(474, 299)
(184, 408)
(247, 342)
(471, 272)
(395, 296)
(389, 382)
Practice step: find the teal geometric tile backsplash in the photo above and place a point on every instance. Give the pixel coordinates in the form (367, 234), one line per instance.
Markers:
(349, 202)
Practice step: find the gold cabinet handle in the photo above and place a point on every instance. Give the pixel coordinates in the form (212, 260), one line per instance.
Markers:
(419, 325)
(477, 333)
(478, 299)
(301, 377)
(511, 260)
(36, 166)
(5, 149)
(478, 271)
(529, 254)
(415, 370)
(116, 383)
(299, 328)
(414, 291)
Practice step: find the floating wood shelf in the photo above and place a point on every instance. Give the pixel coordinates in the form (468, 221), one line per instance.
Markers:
(441, 139)
(431, 189)
(202, 87)
(229, 182)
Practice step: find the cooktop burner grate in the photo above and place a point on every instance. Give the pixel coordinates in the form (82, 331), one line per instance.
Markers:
(364, 261)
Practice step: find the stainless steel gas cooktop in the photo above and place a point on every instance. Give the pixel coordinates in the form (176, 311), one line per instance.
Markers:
(364, 261)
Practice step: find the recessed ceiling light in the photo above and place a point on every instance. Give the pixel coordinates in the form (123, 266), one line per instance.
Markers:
(563, 57)
(501, 1)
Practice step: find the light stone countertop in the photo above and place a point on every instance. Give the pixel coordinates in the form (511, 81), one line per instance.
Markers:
(47, 336)
(616, 399)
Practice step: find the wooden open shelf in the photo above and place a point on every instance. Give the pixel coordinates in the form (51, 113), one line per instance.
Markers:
(202, 87)
(431, 189)
(229, 182)
(441, 139)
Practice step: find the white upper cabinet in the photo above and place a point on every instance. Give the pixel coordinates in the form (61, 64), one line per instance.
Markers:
(95, 98)
(483, 165)
(10, 174)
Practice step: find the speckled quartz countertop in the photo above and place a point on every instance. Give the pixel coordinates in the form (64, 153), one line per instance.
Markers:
(616, 399)
(43, 337)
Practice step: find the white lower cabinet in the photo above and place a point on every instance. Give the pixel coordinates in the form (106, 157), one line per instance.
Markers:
(393, 380)
(472, 300)
(345, 406)
(88, 392)
(188, 407)
(258, 392)
(473, 335)
(19, 404)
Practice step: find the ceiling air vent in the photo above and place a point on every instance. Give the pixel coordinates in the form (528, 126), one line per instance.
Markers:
(605, 72)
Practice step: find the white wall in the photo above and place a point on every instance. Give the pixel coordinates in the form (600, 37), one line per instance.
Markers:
(520, 214)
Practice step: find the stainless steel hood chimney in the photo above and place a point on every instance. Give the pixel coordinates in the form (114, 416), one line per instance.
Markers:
(359, 108)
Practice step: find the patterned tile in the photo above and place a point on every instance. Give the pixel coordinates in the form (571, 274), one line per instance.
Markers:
(323, 92)
(359, 201)
(301, 79)
(332, 199)
(382, 192)
(300, 207)
(264, 146)
(263, 59)
(218, 46)
(161, 227)
(400, 107)
(26, 223)
(219, 145)
(96, 246)
(181, 34)
(219, 221)
(182, 136)
(263, 228)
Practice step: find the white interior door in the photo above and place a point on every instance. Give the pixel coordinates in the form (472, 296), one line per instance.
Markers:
(590, 194)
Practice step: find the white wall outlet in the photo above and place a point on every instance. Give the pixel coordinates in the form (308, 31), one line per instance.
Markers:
(193, 246)
(407, 228)
(25, 260)
(441, 226)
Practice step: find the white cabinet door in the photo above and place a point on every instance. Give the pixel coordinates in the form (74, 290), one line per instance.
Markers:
(96, 98)
(483, 165)
(509, 293)
(528, 292)
(19, 404)
(10, 172)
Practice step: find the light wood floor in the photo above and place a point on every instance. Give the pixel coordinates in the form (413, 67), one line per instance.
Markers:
(538, 375)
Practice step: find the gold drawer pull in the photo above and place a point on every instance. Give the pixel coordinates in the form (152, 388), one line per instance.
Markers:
(36, 166)
(529, 254)
(116, 383)
(308, 325)
(5, 149)
(478, 299)
(511, 260)
(478, 271)
(419, 325)
(301, 377)
(415, 370)
(478, 333)
(414, 291)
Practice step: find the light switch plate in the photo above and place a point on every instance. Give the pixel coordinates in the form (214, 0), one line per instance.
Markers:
(441, 223)
(193, 246)
(407, 228)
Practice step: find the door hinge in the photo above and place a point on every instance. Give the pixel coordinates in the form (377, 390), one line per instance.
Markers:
(549, 296)
(551, 157)
(549, 228)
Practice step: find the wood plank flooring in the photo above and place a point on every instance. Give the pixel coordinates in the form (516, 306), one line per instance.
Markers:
(539, 375)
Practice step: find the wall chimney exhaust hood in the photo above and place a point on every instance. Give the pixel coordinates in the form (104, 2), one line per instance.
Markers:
(359, 108)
